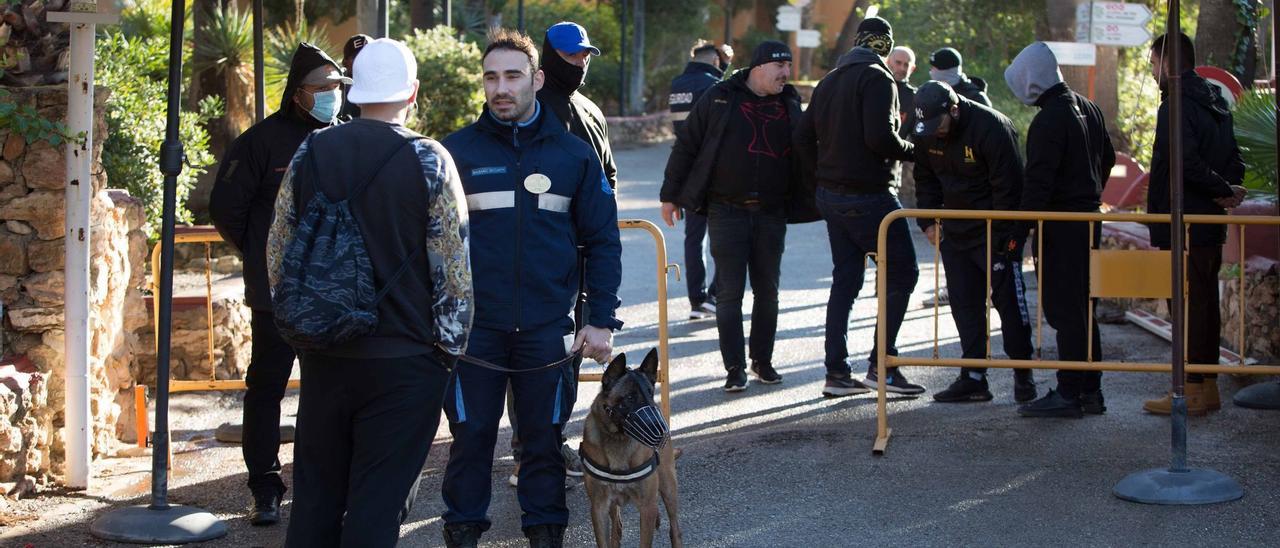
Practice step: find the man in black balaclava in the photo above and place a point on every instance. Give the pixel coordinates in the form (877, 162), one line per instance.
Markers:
(241, 205)
(566, 54)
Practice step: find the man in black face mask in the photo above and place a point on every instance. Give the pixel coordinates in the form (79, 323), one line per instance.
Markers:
(566, 54)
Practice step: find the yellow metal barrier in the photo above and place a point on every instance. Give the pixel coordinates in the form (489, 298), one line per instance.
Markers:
(209, 237)
(1103, 284)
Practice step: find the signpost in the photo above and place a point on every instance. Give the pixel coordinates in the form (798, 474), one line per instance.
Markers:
(1074, 54)
(808, 38)
(788, 18)
(1113, 34)
(1113, 24)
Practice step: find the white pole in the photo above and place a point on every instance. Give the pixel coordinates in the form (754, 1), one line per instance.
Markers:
(78, 431)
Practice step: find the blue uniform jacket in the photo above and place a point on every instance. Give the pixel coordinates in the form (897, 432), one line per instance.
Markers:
(524, 244)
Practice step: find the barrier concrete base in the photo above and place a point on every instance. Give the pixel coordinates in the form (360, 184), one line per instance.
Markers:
(174, 524)
(1182, 487)
(234, 433)
(1259, 396)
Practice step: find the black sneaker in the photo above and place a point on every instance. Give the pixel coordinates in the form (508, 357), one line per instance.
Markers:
(1092, 403)
(737, 380)
(765, 373)
(1024, 385)
(965, 389)
(266, 509)
(843, 385)
(1052, 404)
(462, 535)
(898, 383)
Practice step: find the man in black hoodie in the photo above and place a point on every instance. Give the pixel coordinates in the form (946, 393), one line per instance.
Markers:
(241, 206)
(1069, 157)
(849, 138)
(705, 69)
(945, 66)
(1212, 170)
(733, 160)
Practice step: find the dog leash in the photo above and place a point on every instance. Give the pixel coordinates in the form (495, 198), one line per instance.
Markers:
(495, 367)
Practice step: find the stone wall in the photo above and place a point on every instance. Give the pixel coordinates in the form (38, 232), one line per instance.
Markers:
(32, 281)
(633, 131)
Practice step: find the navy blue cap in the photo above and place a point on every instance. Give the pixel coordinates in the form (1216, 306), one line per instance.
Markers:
(932, 102)
(570, 38)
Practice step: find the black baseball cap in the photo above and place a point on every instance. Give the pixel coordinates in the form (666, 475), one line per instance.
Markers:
(933, 101)
(945, 58)
(354, 45)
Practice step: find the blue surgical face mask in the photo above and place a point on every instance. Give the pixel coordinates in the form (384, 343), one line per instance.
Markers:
(326, 105)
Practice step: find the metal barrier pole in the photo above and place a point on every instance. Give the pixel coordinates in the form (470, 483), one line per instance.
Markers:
(986, 301)
(1177, 484)
(882, 338)
(1040, 289)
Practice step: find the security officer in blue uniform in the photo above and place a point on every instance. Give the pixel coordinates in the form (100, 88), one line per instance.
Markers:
(705, 69)
(535, 193)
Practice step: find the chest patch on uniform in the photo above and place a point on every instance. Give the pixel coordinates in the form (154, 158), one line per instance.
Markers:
(968, 156)
(491, 170)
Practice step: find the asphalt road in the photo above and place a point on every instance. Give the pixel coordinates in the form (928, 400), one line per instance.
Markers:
(781, 466)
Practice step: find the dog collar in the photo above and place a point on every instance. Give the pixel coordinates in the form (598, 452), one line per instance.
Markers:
(619, 476)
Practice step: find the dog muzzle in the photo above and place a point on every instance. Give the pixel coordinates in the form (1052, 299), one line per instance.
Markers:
(646, 426)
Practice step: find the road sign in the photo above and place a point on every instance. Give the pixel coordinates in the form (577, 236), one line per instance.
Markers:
(1119, 35)
(808, 38)
(787, 8)
(1120, 13)
(799, 3)
(1074, 54)
(788, 21)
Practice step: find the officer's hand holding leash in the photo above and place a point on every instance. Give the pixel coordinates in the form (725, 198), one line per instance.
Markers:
(595, 343)
(932, 234)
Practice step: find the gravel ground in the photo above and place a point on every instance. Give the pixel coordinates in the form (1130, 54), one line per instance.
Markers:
(781, 466)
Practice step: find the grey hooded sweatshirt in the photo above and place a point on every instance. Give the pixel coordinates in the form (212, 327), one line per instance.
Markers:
(1069, 153)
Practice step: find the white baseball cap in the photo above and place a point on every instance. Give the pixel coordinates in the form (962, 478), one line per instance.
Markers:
(384, 72)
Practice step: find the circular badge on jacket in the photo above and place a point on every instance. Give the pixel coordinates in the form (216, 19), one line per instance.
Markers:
(537, 183)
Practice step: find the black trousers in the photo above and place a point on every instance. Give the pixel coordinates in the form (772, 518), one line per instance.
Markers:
(364, 430)
(747, 242)
(1065, 296)
(269, 368)
(1204, 318)
(967, 287)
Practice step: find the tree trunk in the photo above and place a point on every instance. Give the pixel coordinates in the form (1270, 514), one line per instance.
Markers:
(422, 14)
(1061, 27)
(1217, 31)
(300, 13)
(849, 31)
(367, 17)
(635, 98)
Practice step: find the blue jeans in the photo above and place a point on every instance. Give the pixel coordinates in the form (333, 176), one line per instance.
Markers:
(853, 222)
(745, 241)
(695, 268)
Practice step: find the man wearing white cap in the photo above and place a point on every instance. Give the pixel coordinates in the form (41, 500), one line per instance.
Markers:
(372, 404)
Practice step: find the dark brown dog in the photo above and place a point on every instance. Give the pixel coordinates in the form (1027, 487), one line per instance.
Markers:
(621, 469)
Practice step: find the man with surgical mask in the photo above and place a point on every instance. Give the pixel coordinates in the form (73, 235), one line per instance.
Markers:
(241, 206)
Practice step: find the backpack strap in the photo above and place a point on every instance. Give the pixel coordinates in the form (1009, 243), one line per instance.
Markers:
(404, 266)
(381, 165)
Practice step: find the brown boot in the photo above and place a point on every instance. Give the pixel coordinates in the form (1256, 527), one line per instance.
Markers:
(1197, 400)
(1212, 400)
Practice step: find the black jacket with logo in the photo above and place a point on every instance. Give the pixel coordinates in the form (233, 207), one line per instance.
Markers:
(848, 138)
(244, 194)
(977, 166)
(688, 87)
(1211, 161)
(687, 179)
(1069, 154)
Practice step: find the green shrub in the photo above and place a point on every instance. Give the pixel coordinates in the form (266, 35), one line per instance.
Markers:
(1255, 125)
(451, 93)
(134, 69)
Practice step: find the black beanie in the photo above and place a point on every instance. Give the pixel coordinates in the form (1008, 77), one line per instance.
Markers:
(876, 34)
(768, 52)
(944, 59)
